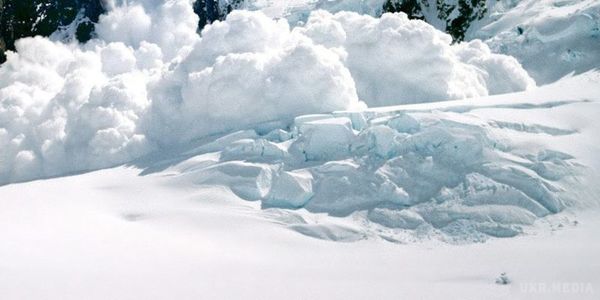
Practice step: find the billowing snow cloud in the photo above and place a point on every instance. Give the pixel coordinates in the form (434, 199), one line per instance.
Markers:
(149, 81)
(64, 109)
(247, 70)
(396, 60)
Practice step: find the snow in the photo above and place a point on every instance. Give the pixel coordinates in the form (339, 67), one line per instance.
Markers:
(171, 25)
(324, 139)
(134, 237)
(245, 163)
(297, 11)
(467, 177)
(249, 69)
(459, 171)
(150, 82)
(292, 189)
(394, 60)
(550, 38)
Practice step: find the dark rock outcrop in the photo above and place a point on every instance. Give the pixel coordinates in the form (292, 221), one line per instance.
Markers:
(457, 15)
(23, 18)
(214, 10)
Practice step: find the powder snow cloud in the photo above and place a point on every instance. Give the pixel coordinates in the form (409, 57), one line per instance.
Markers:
(149, 81)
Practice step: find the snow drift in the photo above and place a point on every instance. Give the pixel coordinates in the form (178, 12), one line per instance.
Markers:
(149, 82)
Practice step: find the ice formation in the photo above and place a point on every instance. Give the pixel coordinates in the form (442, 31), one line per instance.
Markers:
(429, 172)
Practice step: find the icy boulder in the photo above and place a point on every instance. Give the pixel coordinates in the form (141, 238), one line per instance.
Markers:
(382, 140)
(405, 219)
(477, 189)
(528, 181)
(498, 221)
(290, 189)
(404, 123)
(343, 187)
(250, 149)
(249, 181)
(324, 139)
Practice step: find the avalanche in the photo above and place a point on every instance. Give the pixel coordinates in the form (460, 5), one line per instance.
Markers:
(222, 164)
(149, 82)
(278, 114)
(550, 38)
(254, 103)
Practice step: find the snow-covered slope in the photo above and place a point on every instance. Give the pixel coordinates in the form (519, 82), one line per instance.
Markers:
(113, 234)
(173, 224)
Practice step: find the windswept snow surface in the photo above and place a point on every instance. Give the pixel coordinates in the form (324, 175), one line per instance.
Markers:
(178, 224)
(150, 82)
